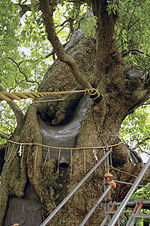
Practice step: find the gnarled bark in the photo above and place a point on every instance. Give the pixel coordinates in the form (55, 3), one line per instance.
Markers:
(102, 66)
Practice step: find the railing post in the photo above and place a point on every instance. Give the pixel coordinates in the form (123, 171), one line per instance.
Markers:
(129, 194)
(106, 182)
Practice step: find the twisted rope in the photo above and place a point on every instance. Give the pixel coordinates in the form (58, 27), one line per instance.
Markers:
(18, 96)
(65, 148)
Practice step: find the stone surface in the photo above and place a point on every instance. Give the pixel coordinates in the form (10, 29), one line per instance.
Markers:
(24, 211)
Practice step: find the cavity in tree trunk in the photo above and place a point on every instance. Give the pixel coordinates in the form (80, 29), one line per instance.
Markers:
(33, 184)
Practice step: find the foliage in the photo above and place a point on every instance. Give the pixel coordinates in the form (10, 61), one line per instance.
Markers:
(142, 194)
(8, 121)
(26, 53)
(133, 31)
(7, 118)
(136, 128)
(22, 49)
(112, 6)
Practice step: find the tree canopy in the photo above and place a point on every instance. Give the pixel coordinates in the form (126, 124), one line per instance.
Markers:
(26, 53)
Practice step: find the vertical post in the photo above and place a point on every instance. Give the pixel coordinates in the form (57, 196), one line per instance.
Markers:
(59, 154)
(49, 153)
(84, 160)
(106, 182)
(118, 221)
(71, 164)
(49, 158)
(23, 147)
(129, 194)
(45, 158)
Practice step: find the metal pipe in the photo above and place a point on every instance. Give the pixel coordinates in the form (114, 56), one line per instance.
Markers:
(142, 216)
(128, 183)
(129, 194)
(105, 220)
(95, 206)
(105, 185)
(131, 220)
(106, 182)
(146, 204)
(74, 190)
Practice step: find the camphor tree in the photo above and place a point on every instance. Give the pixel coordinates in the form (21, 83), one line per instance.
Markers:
(96, 51)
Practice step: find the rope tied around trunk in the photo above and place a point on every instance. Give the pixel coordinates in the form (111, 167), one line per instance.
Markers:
(93, 93)
(125, 172)
(65, 148)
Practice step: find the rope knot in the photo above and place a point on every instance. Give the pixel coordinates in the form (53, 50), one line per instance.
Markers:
(95, 95)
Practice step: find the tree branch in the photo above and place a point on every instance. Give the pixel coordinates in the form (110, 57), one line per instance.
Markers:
(144, 151)
(47, 15)
(140, 142)
(4, 136)
(52, 53)
(17, 111)
(62, 24)
(24, 8)
(130, 26)
(134, 51)
(24, 74)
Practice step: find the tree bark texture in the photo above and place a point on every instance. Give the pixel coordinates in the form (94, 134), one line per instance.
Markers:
(101, 64)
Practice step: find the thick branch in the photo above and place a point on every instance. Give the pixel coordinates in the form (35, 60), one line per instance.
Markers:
(17, 111)
(69, 60)
(4, 136)
(105, 43)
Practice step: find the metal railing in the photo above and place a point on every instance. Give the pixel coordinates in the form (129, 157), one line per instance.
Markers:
(129, 194)
(74, 190)
(95, 206)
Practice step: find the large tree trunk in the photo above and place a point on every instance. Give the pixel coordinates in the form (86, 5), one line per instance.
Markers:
(33, 174)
